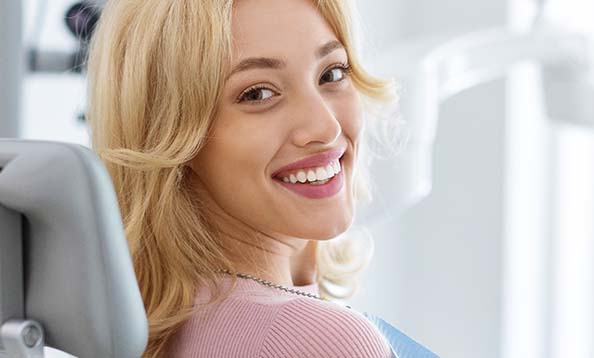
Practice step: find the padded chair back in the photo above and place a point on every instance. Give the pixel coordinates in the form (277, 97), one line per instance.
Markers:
(58, 206)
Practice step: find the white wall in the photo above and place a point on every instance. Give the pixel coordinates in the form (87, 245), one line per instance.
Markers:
(52, 103)
(437, 269)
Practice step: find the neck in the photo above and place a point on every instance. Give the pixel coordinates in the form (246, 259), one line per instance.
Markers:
(303, 265)
(280, 263)
(284, 260)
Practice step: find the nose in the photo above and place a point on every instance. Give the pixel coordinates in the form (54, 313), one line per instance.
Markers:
(315, 121)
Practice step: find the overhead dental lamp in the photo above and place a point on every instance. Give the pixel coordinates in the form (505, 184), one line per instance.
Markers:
(432, 71)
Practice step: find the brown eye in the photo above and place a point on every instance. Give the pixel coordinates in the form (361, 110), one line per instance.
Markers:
(335, 74)
(256, 94)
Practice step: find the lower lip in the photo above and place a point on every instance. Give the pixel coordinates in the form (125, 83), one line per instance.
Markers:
(326, 190)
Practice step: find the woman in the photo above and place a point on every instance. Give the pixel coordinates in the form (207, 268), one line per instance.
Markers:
(231, 130)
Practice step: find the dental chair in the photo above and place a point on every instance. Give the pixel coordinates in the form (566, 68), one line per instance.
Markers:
(66, 276)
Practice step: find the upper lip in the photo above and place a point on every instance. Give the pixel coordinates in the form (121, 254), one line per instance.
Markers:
(316, 160)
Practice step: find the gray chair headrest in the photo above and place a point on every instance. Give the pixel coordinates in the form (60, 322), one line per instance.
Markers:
(78, 277)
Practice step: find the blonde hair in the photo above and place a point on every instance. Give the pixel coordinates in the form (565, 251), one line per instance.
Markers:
(155, 72)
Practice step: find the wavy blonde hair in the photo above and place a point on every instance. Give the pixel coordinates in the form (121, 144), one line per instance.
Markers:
(156, 69)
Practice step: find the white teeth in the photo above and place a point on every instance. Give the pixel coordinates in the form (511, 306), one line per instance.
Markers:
(320, 182)
(320, 174)
(301, 176)
(336, 166)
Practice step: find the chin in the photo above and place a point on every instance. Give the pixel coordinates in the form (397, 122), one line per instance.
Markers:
(325, 228)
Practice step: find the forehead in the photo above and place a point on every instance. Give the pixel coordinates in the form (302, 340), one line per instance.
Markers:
(278, 28)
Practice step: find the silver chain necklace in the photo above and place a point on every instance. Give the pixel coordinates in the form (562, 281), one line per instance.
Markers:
(274, 285)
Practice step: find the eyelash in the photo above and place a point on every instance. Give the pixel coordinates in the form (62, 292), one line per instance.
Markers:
(345, 67)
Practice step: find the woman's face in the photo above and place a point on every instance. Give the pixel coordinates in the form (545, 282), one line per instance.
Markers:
(288, 98)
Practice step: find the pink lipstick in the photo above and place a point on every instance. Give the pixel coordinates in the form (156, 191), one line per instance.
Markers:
(311, 191)
(330, 187)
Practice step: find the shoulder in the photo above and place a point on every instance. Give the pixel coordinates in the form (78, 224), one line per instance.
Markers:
(236, 327)
(256, 325)
(306, 327)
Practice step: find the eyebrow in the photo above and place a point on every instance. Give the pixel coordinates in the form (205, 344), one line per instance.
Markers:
(276, 64)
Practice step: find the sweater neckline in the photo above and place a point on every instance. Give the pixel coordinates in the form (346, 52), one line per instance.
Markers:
(251, 284)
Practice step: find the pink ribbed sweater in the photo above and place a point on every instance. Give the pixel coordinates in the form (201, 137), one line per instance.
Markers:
(257, 321)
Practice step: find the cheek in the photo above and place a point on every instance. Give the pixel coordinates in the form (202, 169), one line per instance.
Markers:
(236, 156)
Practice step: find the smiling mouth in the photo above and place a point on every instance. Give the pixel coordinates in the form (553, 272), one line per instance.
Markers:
(319, 175)
(322, 182)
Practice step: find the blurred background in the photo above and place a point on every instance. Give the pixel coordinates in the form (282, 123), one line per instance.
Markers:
(484, 234)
